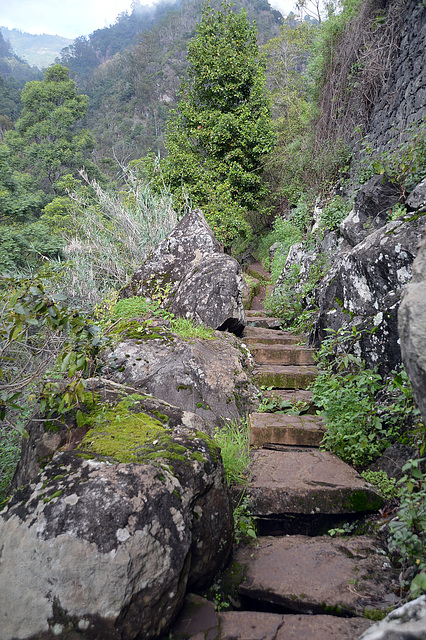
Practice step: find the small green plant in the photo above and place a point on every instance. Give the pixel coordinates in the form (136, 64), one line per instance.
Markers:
(244, 522)
(408, 530)
(334, 212)
(384, 485)
(233, 439)
(397, 211)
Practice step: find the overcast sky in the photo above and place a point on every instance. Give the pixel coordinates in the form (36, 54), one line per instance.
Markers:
(72, 18)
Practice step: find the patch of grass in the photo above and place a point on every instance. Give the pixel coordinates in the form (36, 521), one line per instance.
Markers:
(233, 440)
(186, 328)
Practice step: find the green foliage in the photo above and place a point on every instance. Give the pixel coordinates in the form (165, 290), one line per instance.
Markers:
(33, 324)
(404, 165)
(407, 531)
(46, 138)
(222, 128)
(384, 485)
(334, 212)
(9, 455)
(244, 522)
(108, 234)
(361, 423)
(187, 329)
(233, 440)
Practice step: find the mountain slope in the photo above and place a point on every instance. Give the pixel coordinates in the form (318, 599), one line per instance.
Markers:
(38, 50)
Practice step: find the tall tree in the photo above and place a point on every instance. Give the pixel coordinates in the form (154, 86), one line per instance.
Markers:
(222, 128)
(46, 137)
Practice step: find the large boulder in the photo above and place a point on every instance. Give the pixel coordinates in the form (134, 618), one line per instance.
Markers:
(405, 623)
(208, 377)
(364, 286)
(370, 211)
(105, 540)
(412, 328)
(192, 277)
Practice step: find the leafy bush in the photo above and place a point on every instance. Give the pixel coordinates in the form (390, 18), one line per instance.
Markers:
(380, 480)
(361, 424)
(408, 530)
(334, 212)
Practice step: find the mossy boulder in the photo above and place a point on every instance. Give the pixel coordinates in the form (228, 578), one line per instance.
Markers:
(104, 541)
(191, 277)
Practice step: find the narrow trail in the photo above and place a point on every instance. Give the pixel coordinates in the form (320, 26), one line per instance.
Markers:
(298, 583)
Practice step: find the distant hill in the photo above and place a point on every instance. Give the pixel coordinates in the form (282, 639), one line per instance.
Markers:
(14, 74)
(38, 50)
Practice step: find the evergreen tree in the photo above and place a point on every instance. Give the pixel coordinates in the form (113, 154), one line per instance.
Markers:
(222, 128)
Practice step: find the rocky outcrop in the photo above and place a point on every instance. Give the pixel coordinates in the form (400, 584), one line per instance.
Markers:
(412, 328)
(105, 540)
(364, 286)
(208, 377)
(405, 623)
(192, 277)
(372, 204)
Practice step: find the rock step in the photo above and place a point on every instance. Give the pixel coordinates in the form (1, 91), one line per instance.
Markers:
(298, 398)
(257, 313)
(346, 576)
(282, 354)
(261, 335)
(284, 377)
(306, 482)
(257, 270)
(276, 428)
(198, 619)
(264, 322)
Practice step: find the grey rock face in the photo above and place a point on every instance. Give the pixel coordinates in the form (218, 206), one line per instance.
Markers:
(417, 198)
(405, 623)
(207, 377)
(412, 328)
(99, 549)
(364, 286)
(198, 280)
(372, 202)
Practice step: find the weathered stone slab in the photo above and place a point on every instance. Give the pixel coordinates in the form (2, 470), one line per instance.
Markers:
(276, 428)
(296, 397)
(249, 625)
(264, 322)
(317, 575)
(256, 270)
(306, 482)
(299, 627)
(266, 336)
(282, 354)
(285, 377)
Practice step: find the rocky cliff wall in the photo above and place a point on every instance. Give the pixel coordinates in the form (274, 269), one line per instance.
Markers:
(401, 102)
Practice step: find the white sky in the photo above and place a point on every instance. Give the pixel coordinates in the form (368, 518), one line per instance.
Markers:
(72, 18)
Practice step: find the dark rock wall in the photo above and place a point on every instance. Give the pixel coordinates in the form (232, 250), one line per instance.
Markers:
(401, 103)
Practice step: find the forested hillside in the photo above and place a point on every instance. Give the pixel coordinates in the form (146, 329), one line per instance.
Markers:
(132, 70)
(14, 73)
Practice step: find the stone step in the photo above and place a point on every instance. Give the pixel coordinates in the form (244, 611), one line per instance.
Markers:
(306, 482)
(199, 619)
(284, 377)
(298, 398)
(258, 335)
(276, 428)
(257, 313)
(282, 354)
(256, 270)
(264, 322)
(346, 576)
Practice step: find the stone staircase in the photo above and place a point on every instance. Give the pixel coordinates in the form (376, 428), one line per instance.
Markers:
(297, 583)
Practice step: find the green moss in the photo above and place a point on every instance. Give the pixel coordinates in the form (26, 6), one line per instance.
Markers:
(360, 500)
(57, 494)
(119, 436)
(197, 455)
(376, 614)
